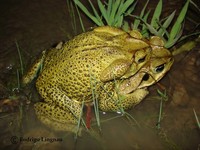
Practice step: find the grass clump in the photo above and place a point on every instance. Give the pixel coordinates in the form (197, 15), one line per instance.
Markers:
(161, 26)
(111, 13)
(114, 13)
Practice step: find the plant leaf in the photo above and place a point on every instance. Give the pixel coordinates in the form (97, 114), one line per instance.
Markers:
(114, 11)
(166, 24)
(137, 21)
(103, 12)
(195, 5)
(196, 117)
(152, 29)
(96, 13)
(118, 14)
(80, 19)
(144, 31)
(176, 27)
(125, 26)
(170, 43)
(186, 36)
(85, 10)
(119, 21)
(125, 6)
(156, 15)
(110, 4)
(131, 9)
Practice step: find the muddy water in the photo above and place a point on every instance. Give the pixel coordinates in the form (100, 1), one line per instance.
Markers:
(38, 25)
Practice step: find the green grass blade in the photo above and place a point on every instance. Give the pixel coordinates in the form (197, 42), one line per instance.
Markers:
(85, 10)
(160, 114)
(197, 120)
(144, 8)
(96, 13)
(154, 31)
(73, 16)
(163, 97)
(125, 26)
(109, 5)
(118, 14)
(130, 117)
(170, 43)
(156, 15)
(164, 32)
(125, 6)
(137, 21)
(94, 98)
(144, 31)
(79, 121)
(103, 12)
(20, 58)
(114, 10)
(151, 29)
(119, 8)
(177, 26)
(119, 22)
(187, 36)
(80, 19)
(18, 80)
(131, 9)
(166, 24)
(71, 11)
(146, 16)
(195, 5)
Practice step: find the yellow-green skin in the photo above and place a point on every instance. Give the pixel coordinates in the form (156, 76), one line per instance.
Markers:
(101, 61)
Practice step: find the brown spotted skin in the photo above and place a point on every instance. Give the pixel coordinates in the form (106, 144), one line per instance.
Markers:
(104, 59)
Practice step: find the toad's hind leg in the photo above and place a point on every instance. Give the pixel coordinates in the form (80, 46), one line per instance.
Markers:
(54, 112)
(56, 118)
(56, 96)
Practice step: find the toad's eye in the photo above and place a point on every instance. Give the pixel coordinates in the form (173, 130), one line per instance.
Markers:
(160, 68)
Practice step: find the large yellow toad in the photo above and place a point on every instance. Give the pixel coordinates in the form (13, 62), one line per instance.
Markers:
(106, 61)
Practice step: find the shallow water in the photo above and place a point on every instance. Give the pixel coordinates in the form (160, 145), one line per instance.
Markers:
(38, 25)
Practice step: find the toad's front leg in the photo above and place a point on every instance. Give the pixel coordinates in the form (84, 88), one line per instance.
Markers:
(117, 102)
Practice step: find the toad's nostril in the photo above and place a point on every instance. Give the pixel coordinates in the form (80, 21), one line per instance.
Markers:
(141, 60)
(145, 77)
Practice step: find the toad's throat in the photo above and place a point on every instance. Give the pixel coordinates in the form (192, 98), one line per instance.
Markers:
(128, 86)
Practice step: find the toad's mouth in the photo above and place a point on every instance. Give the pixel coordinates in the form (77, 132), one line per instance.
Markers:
(128, 86)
